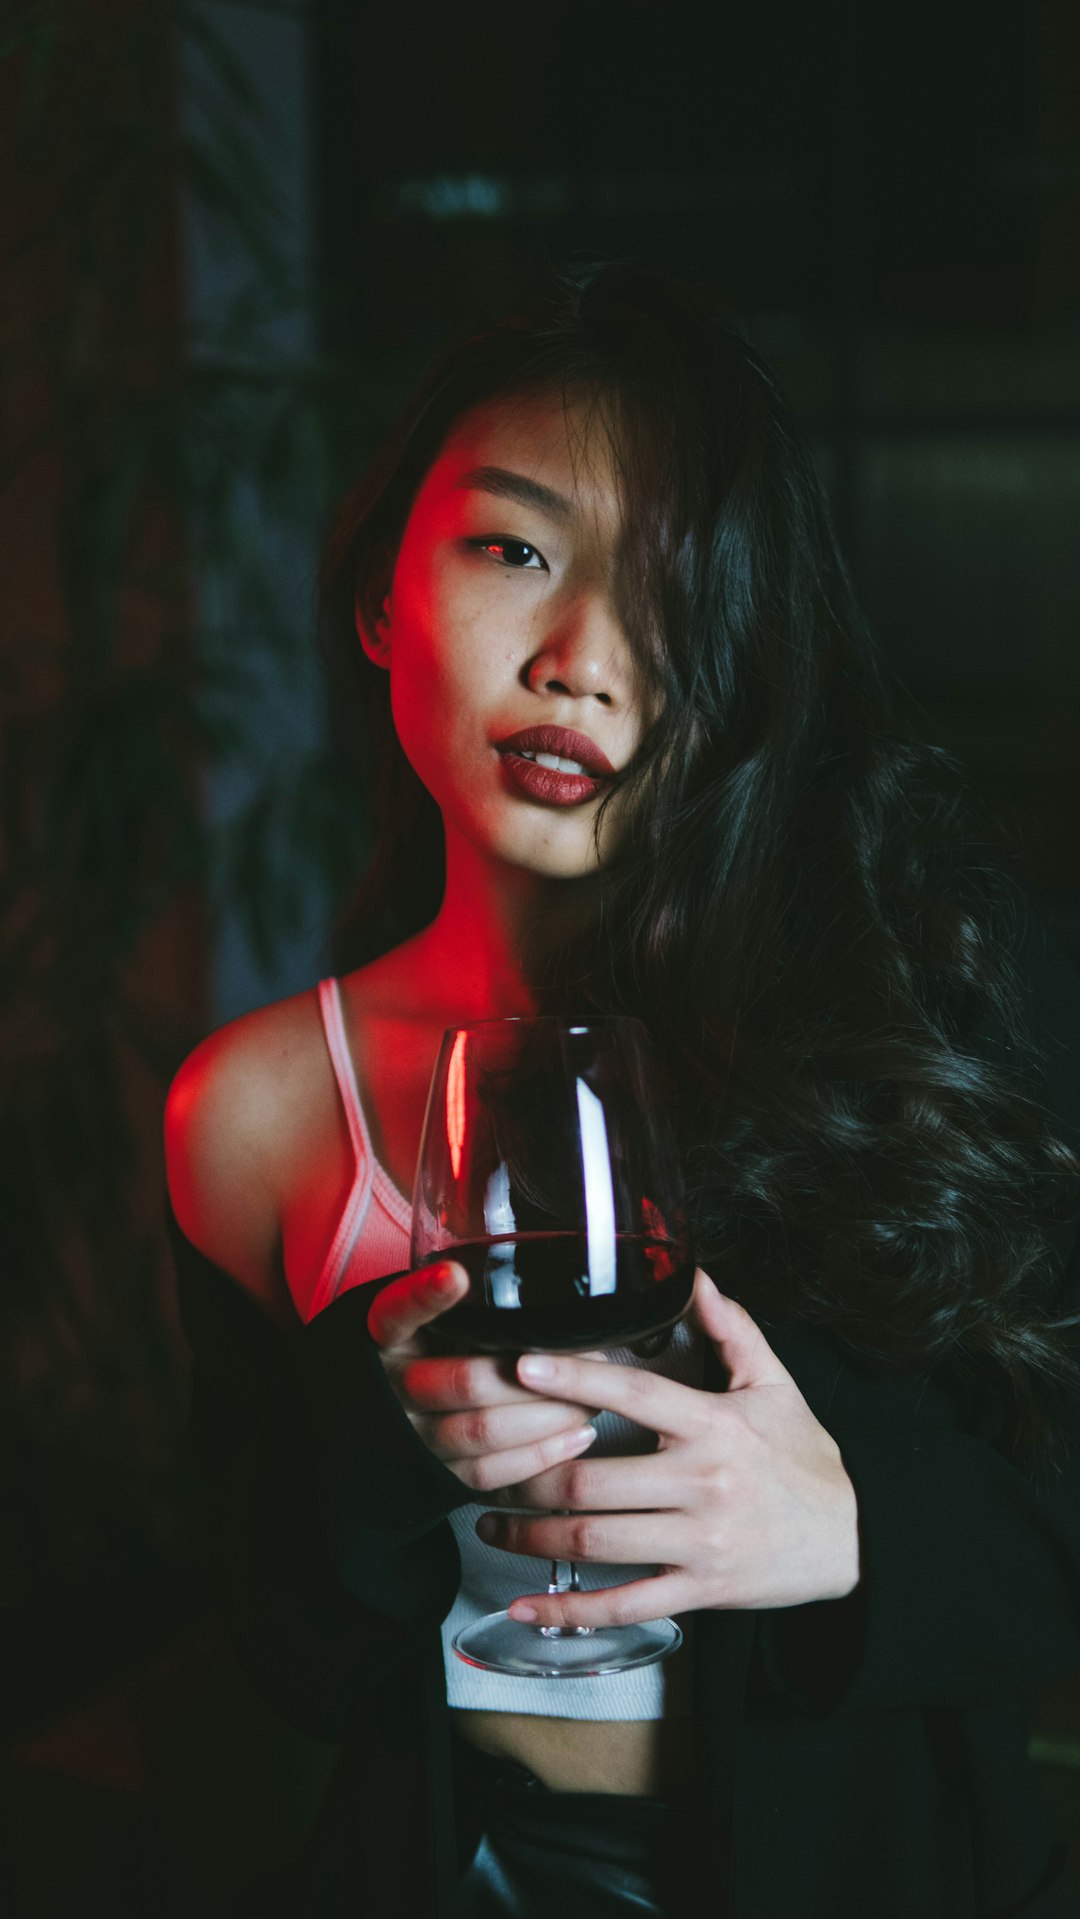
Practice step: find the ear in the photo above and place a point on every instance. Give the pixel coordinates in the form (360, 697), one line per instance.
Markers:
(373, 612)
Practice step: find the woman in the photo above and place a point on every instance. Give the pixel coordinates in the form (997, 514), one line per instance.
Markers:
(597, 537)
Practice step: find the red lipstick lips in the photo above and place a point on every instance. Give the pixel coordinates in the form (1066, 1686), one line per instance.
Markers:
(551, 785)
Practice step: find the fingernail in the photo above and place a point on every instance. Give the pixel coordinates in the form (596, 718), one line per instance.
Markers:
(536, 1366)
(486, 1527)
(519, 1610)
(446, 1279)
(583, 1437)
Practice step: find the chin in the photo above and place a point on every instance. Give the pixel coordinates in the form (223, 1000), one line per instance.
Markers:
(548, 863)
(547, 868)
(549, 847)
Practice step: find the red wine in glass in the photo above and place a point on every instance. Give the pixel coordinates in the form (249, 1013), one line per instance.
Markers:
(533, 1292)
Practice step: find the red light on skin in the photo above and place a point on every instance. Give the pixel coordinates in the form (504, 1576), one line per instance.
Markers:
(455, 1103)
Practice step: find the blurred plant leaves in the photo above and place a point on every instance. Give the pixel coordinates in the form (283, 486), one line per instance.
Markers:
(176, 464)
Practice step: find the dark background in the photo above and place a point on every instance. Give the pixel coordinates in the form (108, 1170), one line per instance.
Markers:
(232, 234)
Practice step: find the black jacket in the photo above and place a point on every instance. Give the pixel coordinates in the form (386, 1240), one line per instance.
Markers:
(859, 1759)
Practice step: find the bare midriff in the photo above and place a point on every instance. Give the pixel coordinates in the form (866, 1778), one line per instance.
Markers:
(650, 1757)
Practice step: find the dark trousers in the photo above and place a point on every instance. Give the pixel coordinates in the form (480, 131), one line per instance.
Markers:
(528, 1853)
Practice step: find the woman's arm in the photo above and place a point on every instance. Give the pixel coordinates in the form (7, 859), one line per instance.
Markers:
(322, 1512)
(970, 1578)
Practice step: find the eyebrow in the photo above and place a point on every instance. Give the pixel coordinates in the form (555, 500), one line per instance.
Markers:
(507, 485)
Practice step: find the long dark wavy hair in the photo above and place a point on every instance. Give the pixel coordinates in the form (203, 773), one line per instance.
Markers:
(801, 910)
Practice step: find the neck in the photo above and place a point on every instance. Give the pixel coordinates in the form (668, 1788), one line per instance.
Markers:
(493, 931)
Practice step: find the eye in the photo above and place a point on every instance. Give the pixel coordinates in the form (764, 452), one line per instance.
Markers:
(516, 554)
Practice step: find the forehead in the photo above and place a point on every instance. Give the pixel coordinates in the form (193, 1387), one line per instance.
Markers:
(563, 444)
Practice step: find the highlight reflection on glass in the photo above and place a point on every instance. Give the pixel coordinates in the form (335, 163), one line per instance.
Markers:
(599, 1198)
(455, 1102)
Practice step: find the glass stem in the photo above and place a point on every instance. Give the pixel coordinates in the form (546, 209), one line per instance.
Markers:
(556, 1583)
(557, 1586)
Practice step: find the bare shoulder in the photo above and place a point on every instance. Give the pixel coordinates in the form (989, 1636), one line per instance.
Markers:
(234, 1117)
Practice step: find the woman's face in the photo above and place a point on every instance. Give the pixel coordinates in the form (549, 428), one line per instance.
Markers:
(500, 620)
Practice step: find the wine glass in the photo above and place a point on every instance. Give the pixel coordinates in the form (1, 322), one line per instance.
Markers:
(548, 1169)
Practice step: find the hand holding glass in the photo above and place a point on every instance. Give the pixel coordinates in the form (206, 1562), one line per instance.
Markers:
(548, 1169)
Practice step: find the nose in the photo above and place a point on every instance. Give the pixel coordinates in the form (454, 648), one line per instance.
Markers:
(584, 654)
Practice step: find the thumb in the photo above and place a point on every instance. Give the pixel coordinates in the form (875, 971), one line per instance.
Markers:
(741, 1346)
(411, 1300)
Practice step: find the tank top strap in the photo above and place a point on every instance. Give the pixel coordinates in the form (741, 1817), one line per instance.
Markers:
(344, 1071)
(356, 1205)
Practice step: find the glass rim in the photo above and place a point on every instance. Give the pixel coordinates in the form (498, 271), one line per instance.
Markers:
(571, 1025)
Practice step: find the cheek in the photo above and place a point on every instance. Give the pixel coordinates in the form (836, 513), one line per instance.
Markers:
(452, 651)
(418, 708)
(437, 688)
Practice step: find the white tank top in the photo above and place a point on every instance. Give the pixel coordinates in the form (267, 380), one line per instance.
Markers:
(371, 1240)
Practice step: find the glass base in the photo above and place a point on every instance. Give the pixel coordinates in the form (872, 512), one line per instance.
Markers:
(498, 1643)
